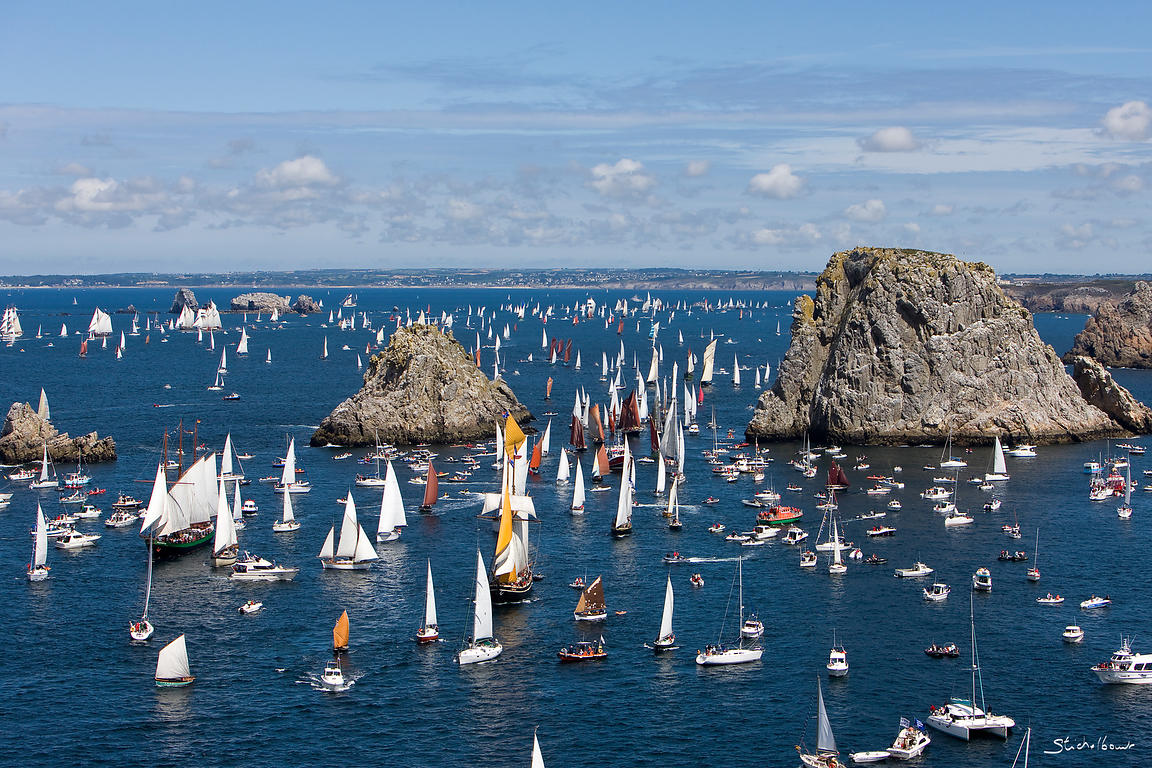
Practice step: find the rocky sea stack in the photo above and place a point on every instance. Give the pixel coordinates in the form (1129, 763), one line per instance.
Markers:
(1119, 335)
(905, 346)
(184, 298)
(423, 388)
(305, 305)
(260, 302)
(25, 434)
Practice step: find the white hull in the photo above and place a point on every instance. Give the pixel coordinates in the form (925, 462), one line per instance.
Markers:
(964, 728)
(39, 573)
(288, 527)
(730, 656)
(387, 536)
(141, 631)
(281, 574)
(1117, 676)
(224, 561)
(478, 654)
(345, 565)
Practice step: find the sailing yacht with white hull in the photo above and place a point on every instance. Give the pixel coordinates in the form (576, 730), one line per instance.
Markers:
(483, 645)
(429, 630)
(354, 551)
(721, 654)
(666, 641)
(826, 756)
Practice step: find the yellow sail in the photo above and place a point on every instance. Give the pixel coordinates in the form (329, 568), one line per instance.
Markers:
(513, 437)
(340, 633)
(504, 537)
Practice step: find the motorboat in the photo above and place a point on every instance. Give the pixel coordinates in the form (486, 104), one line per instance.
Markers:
(675, 557)
(1072, 634)
(881, 530)
(716, 528)
(946, 651)
(1125, 666)
(1050, 599)
(875, 559)
(808, 559)
(140, 630)
(251, 607)
(696, 580)
(937, 592)
(956, 517)
(935, 493)
(249, 507)
(332, 678)
(910, 742)
(993, 505)
(752, 627)
(1023, 451)
(794, 535)
(1096, 602)
(837, 665)
(583, 651)
(1019, 556)
(1012, 530)
(917, 569)
(76, 540)
(255, 568)
(982, 580)
(88, 512)
(577, 583)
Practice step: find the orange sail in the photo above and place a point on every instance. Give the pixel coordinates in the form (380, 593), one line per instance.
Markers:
(601, 469)
(340, 633)
(595, 424)
(548, 389)
(534, 462)
(431, 489)
(84, 348)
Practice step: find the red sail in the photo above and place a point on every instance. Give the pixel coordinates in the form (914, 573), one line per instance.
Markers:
(611, 422)
(652, 435)
(594, 419)
(700, 396)
(576, 437)
(630, 414)
(620, 329)
(568, 351)
(432, 489)
(601, 467)
(836, 477)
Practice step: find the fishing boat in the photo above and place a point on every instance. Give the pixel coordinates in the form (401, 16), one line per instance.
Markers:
(512, 576)
(962, 717)
(255, 568)
(482, 646)
(429, 630)
(1125, 666)
(38, 568)
(591, 606)
(287, 522)
(826, 754)
(289, 483)
(666, 640)
(982, 580)
(808, 559)
(910, 742)
(340, 632)
(742, 653)
(1072, 634)
(837, 665)
(354, 551)
(917, 569)
(172, 670)
(392, 518)
(937, 592)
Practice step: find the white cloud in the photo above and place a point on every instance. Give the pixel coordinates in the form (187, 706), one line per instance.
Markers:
(306, 171)
(870, 210)
(697, 168)
(93, 195)
(940, 209)
(804, 234)
(74, 169)
(624, 179)
(1076, 237)
(1130, 121)
(1128, 184)
(779, 182)
(463, 210)
(912, 228)
(895, 138)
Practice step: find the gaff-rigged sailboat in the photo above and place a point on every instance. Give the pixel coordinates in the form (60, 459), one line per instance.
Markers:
(172, 670)
(431, 489)
(340, 634)
(512, 566)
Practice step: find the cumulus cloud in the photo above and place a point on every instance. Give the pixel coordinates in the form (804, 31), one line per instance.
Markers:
(1127, 185)
(626, 178)
(73, 169)
(1131, 121)
(895, 138)
(697, 168)
(912, 228)
(305, 171)
(1076, 237)
(870, 210)
(779, 183)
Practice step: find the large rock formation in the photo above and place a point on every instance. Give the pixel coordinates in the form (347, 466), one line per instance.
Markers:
(305, 305)
(25, 433)
(1120, 335)
(260, 302)
(1102, 391)
(905, 346)
(422, 388)
(183, 298)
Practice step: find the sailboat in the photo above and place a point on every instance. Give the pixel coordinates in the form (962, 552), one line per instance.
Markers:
(591, 606)
(429, 630)
(242, 346)
(47, 477)
(961, 717)
(720, 653)
(179, 521)
(482, 646)
(1034, 571)
(826, 755)
(340, 634)
(577, 506)
(268, 358)
(287, 522)
(622, 521)
(229, 462)
(431, 489)
(1124, 511)
(563, 469)
(354, 551)
(538, 758)
(288, 482)
(392, 518)
(666, 641)
(172, 669)
(324, 353)
(837, 565)
(999, 469)
(225, 547)
(223, 367)
(673, 512)
(38, 568)
(736, 370)
(947, 460)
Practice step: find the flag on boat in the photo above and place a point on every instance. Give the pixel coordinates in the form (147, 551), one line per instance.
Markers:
(904, 722)
(919, 724)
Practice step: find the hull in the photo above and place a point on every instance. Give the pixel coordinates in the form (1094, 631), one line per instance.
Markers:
(730, 656)
(387, 536)
(141, 630)
(513, 593)
(187, 541)
(39, 573)
(427, 635)
(285, 527)
(1115, 676)
(284, 575)
(345, 565)
(478, 654)
(174, 682)
(591, 616)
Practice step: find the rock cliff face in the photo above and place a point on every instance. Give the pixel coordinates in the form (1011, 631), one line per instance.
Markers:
(260, 302)
(25, 433)
(903, 346)
(184, 298)
(1102, 391)
(305, 305)
(423, 387)
(1120, 335)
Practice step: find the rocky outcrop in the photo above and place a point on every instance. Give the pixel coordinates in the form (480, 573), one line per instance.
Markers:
(305, 305)
(184, 298)
(422, 388)
(1102, 391)
(906, 346)
(260, 302)
(128, 310)
(1119, 335)
(25, 433)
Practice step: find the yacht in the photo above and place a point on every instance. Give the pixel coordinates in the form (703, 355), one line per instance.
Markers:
(332, 678)
(1073, 634)
(720, 654)
(255, 568)
(955, 518)
(752, 627)
(1023, 451)
(937, 592)
(917, 569)
(982, 580)
(910, 742)
(72, 539)
(837, 665)
(794, 535)
(1125, 666)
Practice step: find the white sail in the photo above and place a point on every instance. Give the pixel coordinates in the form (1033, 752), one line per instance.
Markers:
(324, 353)
(237, 507)
(546, 440)
(482, 618)
(364, 551)
(825, 741)
(44, 465)
(40, 556)
(430, 601)
(578, 488)
(157, 509)
(624, 500)
(268, 359)
(346, 546)
(666, 617)
(735, 370)
(709, 361)
(242, 347)
(391, 504)
(223, 367)
(327, 552)
(288, 474)
(226, 457)
(225, 527)
(653, 369)
(998, 466)
(562, 469)
(172, 663)
(287, 516)
(537, 758)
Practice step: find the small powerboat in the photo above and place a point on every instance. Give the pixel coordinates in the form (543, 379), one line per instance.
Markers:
(675, 557)
(251, 607)
(937, 592)
(332, 678)
(697, 580)
(73, 539)
(917, 569)
(910, 743)
(1096, 602)
(1050, 599)
(583, 651)
(946, 651)
(1073, 634)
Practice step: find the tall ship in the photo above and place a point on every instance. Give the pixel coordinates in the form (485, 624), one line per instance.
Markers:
(178, 519)
(512, 564)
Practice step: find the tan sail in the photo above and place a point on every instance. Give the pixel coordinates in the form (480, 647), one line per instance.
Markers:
(591, 600)
(340, 633)
(431, 489)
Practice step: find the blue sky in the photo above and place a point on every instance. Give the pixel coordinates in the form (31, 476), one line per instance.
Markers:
(217, 136)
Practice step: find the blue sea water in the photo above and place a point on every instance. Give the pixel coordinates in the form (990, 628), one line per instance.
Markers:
(73, 690)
